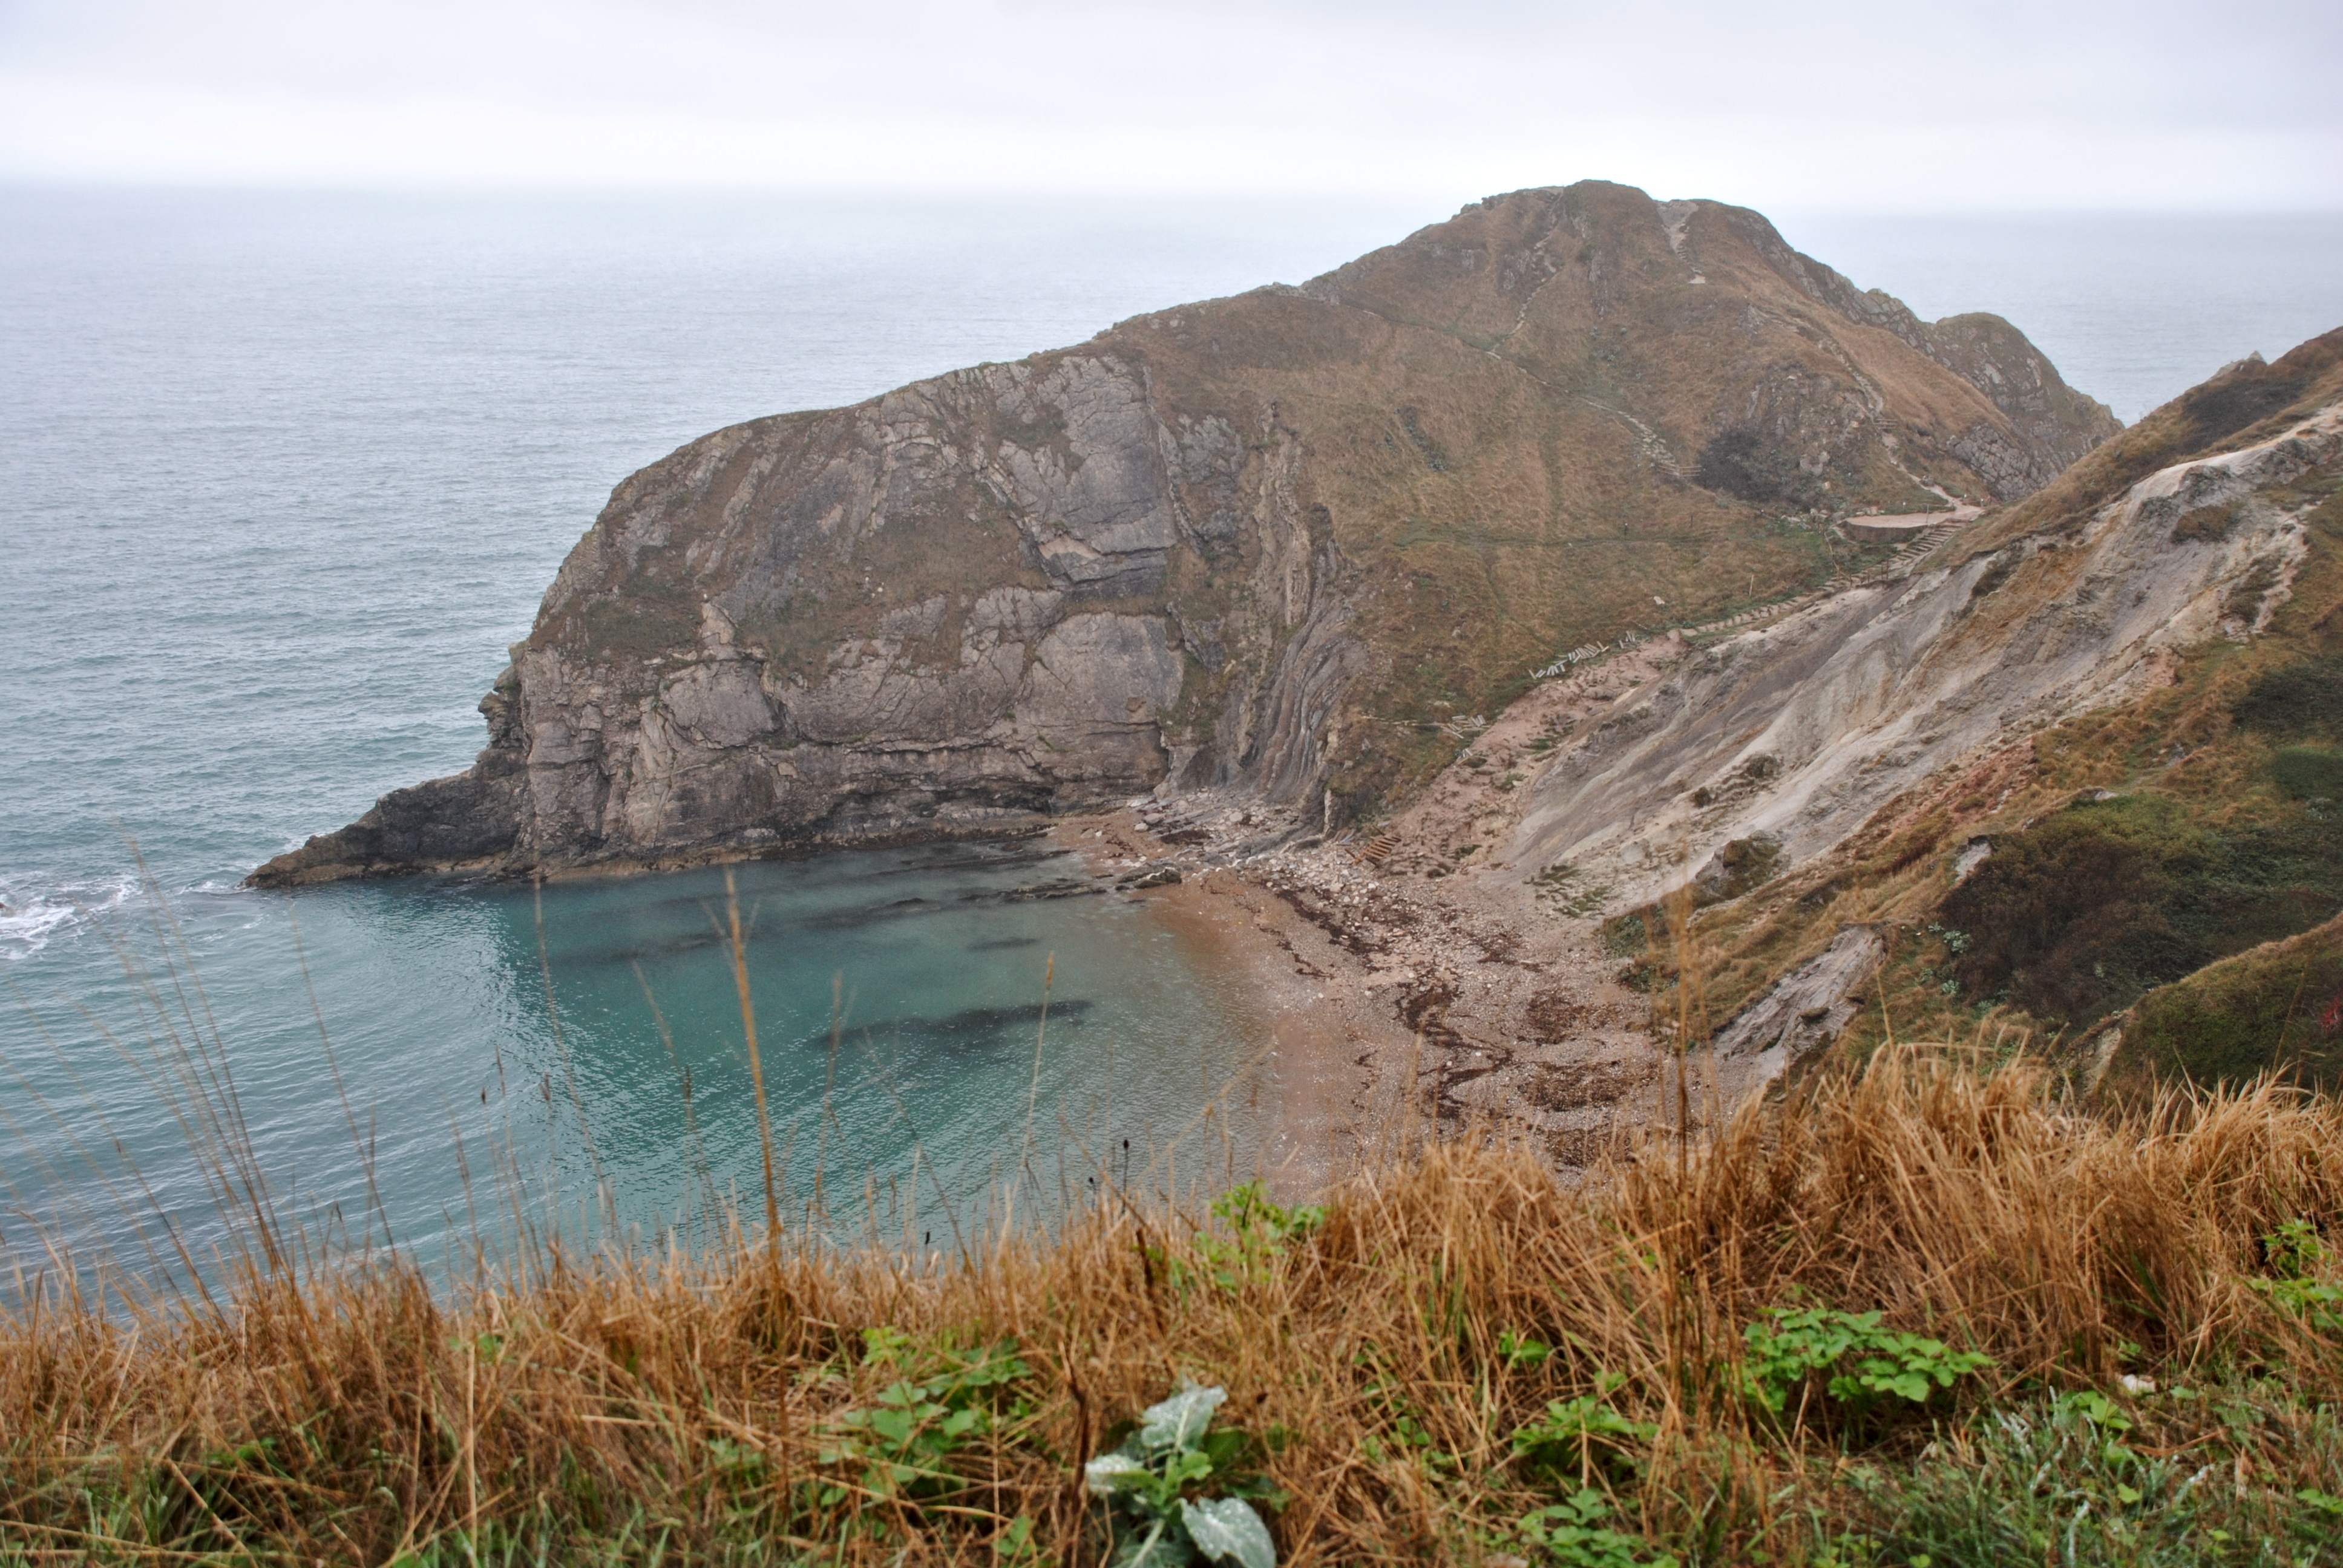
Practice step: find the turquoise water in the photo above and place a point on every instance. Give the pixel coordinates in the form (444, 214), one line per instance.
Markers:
(280, 477)
(585, 1057)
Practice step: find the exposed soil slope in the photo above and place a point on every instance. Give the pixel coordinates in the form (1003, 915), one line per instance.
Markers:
(2002, 785)
(1799, 731)
(2092, 746)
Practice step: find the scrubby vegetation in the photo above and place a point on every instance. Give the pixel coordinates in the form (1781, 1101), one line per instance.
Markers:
(2082, 914)
(2245, 402)
(1740, 462)
(2301, 697)
(1918, 1316)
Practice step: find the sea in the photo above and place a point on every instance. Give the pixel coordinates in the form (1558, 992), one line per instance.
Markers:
(282, 475)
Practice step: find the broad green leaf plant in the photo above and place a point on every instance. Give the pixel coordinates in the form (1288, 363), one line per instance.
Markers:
(1862, 1364)
(1584, 1437)
(903, 1445)
(2298, 1259)
(1153, 1487)
(1574, 1533)
(1258, 1231)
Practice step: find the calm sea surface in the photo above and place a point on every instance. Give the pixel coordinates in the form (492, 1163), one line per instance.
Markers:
(281, 477)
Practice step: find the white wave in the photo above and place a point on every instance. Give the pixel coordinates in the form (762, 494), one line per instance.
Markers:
(30, 916)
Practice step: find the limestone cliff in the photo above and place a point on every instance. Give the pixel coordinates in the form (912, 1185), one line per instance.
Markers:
(2088, 748)
(1800, 730)
(1268, 541)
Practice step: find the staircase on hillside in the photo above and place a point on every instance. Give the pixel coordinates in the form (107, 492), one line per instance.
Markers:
(1902, 563)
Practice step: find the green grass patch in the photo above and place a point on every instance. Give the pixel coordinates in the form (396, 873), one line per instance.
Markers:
(2278, 1007)
(2305, 697)
(2309, 773)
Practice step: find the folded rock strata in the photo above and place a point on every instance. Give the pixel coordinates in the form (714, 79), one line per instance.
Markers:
(1794, 734)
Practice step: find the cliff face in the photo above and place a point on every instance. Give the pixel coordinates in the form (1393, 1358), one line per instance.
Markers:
(2077, 772)
(1267, 541)
(1799, 732)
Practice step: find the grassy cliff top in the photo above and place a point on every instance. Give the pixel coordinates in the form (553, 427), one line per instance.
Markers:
(1919, 1317)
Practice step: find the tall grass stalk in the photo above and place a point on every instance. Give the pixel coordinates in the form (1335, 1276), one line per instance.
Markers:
(739, 952)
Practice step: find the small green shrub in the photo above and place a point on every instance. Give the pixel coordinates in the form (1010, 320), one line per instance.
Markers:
(903, 1445)
(2073, 918)
(2304, 697)
(1572, 1533)
(1259, 1229)
(2059, 1485)
(2106, 1419)
(2080, 915)
(2298, 1261)
(1862, 1365)
(1745, 462)
(2279, 1007)
(1582, 1436)
(2294, 1251)
(1628, 935)
(2309, 773)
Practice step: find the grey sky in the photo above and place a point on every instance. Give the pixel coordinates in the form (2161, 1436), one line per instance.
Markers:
(2142, 104)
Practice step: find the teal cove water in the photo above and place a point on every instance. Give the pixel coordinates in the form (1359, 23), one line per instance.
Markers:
(950, 1035)
(281, 476)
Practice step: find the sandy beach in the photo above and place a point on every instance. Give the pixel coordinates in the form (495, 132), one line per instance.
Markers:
(1409, 969)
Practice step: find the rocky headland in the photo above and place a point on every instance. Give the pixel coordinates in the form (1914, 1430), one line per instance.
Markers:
(1267, 542)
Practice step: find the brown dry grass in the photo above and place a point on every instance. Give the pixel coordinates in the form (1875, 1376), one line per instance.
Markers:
(623, 1404)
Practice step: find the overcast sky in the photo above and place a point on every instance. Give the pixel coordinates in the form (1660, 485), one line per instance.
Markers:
(1875, 106)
